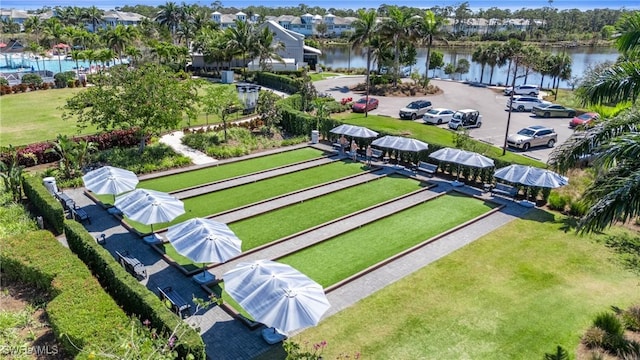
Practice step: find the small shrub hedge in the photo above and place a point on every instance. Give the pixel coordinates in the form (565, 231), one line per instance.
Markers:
(45, 204)
(82, 315)
(134, 298)
(32, 79)
(278, 82)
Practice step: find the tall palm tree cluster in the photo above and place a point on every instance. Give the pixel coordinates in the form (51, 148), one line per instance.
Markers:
(613, 145)
(391, 40)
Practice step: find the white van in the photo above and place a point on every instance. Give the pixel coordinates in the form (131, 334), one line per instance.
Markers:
(532, 90)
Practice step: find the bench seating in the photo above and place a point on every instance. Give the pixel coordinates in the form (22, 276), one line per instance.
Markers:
(178, 305)
(427, 168)
(79, 214)
(132, 265)
(376, 154)
(504, 189)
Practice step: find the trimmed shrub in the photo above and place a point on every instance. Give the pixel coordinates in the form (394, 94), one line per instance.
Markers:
(32, 79)
(62, 79)
(557, 201)
(278, 82)
(578, 208)
(82, 315)
(132, 296)
(44, 203)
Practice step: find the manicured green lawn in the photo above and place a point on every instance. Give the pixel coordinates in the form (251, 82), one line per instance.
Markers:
(345, 255)
(322, 75)
(229, 170)
(427, 133)
(516, 293)
(219, 201)
(263, 229)
(36, 116)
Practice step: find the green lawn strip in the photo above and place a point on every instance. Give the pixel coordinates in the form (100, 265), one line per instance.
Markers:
(336, 259)
(427, 133)
(36, 116)
(263, 229)
(231, 198)
(322, 75)
(229, 170)
(268, 227)
(516, 293)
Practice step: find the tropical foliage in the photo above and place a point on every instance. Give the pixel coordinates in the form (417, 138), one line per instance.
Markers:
(613, 147)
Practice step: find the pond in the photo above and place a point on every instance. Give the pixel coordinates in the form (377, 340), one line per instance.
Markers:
(582, 58)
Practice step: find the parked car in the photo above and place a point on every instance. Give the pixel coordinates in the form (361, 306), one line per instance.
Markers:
(465, 118)
(361, 105)
(415, 109)
(531, 136)
(553, 110)
(584, 119)
(438, 116)
(532, 90)
(525, 103)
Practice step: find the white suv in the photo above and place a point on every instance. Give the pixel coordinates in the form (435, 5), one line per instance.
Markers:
(524, 103)
(532, 90)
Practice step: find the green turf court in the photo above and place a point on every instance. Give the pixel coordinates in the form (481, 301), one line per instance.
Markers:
(218, 201)
(352, 252)
(265, 228)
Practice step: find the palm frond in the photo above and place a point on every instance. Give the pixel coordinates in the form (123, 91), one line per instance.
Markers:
(630, 28)
(620, 82)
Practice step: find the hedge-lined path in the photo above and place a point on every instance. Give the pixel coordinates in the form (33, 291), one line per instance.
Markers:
(227, 338)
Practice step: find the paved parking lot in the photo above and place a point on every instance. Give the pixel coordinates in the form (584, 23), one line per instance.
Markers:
(489, 101)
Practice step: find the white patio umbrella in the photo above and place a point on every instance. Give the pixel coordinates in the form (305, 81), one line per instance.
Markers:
(354, 131)
(462, 157)
(149, 206)
(204, 241)
(276, 294)
(110, 180)
(400, 143)
(530, 176)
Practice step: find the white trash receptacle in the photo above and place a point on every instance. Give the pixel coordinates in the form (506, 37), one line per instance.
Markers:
(50, 184)
(315, 136)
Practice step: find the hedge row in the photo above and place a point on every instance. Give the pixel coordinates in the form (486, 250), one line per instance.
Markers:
(278, 82)
(38, 153)
(83, 316)
(134, 298)
(45, 204)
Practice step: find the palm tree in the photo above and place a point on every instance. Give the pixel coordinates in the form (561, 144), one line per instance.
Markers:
(133, 53)
(54, 32)
(481, 56)
(508, 51)
(169, 16)
(615, 144)
(120, 37)
(90, 55)
(94, 16)
(398, 27)
(428, 28)
(494, 57)
(35, 49)
(241, 40)
(267, 49)
(364, 28)
(33, 24)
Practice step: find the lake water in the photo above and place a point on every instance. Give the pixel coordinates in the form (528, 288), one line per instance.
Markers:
(581, 59)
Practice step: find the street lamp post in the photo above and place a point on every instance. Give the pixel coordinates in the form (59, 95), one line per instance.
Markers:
(513, 87)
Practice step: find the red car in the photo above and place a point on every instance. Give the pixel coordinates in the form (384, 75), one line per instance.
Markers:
(361, 105)
(584, 119)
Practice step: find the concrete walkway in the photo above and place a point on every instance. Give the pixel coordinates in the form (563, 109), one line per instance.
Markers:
(228, 338)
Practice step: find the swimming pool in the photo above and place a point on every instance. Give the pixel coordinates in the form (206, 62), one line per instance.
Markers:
(22, 62)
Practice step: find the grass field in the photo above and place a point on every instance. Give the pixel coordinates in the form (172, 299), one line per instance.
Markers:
(219, 201)
(263, 229)
(428, 134)
(36, 116)
(513, 294)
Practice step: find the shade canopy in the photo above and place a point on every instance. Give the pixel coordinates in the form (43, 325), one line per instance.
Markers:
(110, 180)
(400, 143)
(276, 294)
(204, 240)
(462, 157)
(149, 206)
(354, 131)
(531, 176)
